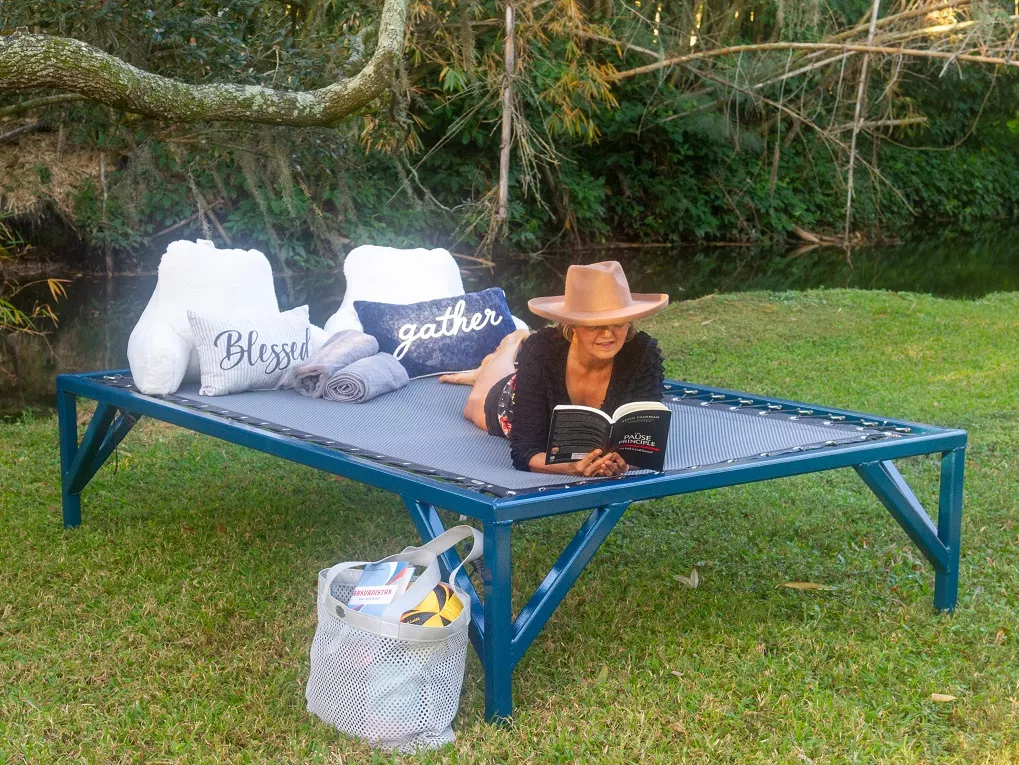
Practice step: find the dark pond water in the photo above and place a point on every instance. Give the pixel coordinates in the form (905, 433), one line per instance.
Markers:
(99, 312)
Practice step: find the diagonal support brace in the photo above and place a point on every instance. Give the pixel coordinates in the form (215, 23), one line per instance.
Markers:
(562, 577)
(500, 640)
(94, 434)
(429, 526)
(887, 483)
(91, 457)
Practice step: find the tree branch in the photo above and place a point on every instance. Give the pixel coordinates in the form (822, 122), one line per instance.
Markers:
(181, 224)
(876, 124)
(896, 17)
(42, 61)
(32, 103)
(826, 135)
(30, 128)
(844, 48)
(618, 43)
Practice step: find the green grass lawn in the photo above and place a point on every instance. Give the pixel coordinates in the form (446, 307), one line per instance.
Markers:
(174, 625)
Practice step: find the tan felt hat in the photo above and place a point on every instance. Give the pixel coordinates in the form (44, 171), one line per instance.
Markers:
(597, 294)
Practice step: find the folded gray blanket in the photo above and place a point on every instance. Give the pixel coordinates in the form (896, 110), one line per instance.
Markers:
(365, 379)
(339, 351)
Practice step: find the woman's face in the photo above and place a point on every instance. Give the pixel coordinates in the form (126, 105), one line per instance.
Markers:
(601, 342)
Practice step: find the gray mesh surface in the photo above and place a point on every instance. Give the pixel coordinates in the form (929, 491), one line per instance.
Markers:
(422, 423)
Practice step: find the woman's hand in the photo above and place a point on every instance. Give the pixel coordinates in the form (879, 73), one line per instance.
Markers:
(596, 464)
(619, 465)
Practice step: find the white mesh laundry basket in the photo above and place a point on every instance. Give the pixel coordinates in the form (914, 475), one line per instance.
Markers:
(396, 685)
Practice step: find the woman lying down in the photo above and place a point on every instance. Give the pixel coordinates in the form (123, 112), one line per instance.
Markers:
(592, 357)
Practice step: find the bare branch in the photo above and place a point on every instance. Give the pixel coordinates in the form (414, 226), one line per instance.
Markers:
(30, 128)
(33, 103)
(181, 224)
(827, 136)
(803, 70)
(841, 47)
(912, 13)
(876, 124)
(618, 43)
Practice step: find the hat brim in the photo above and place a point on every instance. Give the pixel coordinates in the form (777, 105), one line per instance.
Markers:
(554, 308)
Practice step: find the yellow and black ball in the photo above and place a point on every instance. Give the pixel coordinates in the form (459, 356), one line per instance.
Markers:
(440, 607)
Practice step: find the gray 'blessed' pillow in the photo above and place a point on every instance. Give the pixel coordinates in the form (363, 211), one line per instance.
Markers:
(250, 352)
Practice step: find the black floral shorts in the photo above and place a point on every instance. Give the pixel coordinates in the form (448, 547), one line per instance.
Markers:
(499, 405)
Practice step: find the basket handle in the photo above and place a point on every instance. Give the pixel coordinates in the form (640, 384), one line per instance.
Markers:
(450, 538)
(432, 575)
(424, 555)
(477, 549)
(419, 588)
(334, 571)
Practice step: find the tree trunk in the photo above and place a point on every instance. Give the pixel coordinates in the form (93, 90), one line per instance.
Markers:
(108, 251)
(42, 61)
(861, 94)
(507, 116)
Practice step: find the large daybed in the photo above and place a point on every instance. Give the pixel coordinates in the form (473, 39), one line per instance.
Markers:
(415, 443)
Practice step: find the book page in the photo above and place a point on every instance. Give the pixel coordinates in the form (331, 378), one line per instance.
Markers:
(637, 406)
(575, 431)
(582, 408)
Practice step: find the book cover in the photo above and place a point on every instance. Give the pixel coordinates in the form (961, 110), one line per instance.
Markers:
(640, 437)
(380, 584)
(639, 432)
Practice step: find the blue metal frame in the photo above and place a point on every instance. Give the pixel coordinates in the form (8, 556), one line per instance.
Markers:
(499, 639)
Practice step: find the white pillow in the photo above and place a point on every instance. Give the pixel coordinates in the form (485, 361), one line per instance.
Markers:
(239, 353)
(400, 277)
(196, 276)
(390, 275)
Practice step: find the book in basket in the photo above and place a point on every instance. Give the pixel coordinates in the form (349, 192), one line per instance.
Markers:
(638, 432)
(380, 584)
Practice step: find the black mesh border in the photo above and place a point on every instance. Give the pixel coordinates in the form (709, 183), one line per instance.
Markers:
(864, 430)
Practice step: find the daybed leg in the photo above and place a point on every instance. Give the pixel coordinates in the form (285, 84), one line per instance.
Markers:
(498, 622)
(67, 423)
(946, 585)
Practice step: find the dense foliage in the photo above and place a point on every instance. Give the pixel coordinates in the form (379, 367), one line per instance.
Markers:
(677, 155)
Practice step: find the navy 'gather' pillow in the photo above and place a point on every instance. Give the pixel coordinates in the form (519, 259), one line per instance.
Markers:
(447, 335)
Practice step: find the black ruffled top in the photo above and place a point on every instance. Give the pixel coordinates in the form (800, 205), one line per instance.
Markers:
(637, 375)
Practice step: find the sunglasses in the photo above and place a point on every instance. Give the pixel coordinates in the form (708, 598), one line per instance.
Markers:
(609, 327)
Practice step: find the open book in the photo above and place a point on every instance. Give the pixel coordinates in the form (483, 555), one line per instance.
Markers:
(639, 432)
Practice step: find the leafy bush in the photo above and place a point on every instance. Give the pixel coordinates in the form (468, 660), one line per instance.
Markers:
(651, 159)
